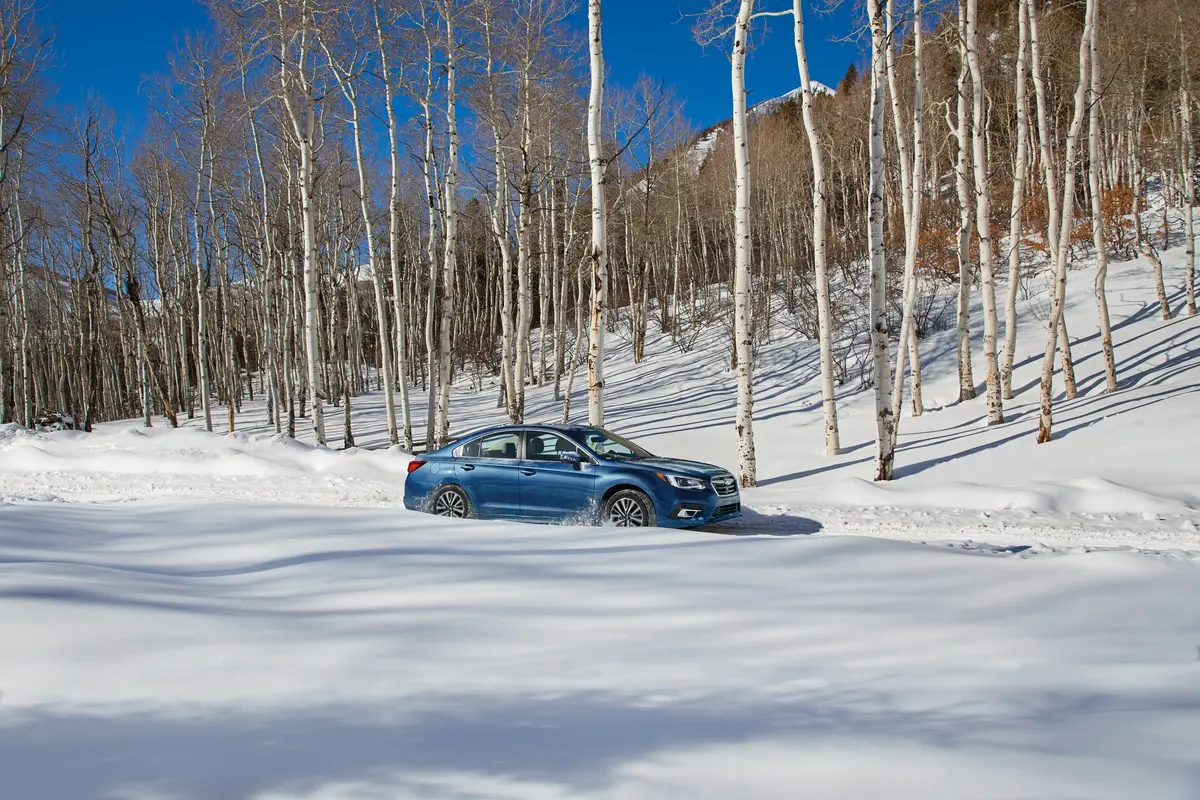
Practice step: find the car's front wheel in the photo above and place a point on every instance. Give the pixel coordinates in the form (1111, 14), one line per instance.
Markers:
(451, 501)
(628, 508)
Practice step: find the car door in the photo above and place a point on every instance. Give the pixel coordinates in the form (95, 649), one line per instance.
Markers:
(488, 468)
(552, 488)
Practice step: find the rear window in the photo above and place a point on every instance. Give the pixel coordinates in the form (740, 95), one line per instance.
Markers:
(498, 445)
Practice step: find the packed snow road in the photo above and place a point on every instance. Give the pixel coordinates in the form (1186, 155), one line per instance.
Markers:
(122, 464)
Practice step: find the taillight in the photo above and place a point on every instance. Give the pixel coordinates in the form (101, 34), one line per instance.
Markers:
(415, 465)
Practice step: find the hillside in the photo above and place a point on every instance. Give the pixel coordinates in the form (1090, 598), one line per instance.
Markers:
(706, 141)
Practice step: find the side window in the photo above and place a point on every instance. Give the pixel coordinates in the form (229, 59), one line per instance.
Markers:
(547, 446)
(470, 449)
(498, 445)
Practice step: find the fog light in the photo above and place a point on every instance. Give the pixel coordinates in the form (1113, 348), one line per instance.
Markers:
(688, 513)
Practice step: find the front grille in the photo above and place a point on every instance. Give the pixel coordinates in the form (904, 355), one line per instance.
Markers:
(724, 485)
(729, 508)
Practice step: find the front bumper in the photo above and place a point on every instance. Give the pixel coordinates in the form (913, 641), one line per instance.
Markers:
(686, 509)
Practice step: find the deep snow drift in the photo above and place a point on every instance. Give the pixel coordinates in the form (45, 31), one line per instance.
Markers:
(189, 616)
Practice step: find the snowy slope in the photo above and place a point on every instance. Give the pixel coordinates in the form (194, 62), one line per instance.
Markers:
(190, 616)
(702, 147)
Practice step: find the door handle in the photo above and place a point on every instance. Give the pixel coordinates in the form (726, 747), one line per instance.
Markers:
(468, 467)
(529, 472)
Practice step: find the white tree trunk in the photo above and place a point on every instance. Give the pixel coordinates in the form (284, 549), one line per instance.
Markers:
(1152, 256)
(1018, 201)
(350, 92)
(983, 212)
(1051, 181)
(201, 286)
(966, 375)
(820, 212)
(1188, 148)
(884, 421)
(304, 126)
(912, 187)
(1106, 343)
(450, 254)
(399, 306)
(599, 167)
(1059, 289)
(743, 328)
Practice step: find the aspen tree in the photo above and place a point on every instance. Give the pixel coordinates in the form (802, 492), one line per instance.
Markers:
(1050, 179)
(1058, 290)
(966, 377)
(912, 185)
(1018, 202)
(599, 257)
(450, 249)
(742, 323)
(983, 225)
(1188, 154)
(819, 221)
(500, 218)
(884, 420)
(299, 99)
(399, 315)
(347, 79)
(1106, 343)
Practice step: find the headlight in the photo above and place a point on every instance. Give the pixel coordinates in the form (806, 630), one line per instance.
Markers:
(680, 482)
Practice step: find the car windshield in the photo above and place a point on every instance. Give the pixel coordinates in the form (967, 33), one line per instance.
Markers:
(609, 445)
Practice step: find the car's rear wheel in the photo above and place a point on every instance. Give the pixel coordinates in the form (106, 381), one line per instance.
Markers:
(451, 501)
(629, 508)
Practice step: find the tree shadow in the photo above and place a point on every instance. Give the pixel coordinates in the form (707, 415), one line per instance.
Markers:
(579, 743)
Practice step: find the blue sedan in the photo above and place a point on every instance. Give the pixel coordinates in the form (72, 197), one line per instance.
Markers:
(545, 473)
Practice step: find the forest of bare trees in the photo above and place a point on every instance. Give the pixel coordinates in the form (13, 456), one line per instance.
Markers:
(335, 197)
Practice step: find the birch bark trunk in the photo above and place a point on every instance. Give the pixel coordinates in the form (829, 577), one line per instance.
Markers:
(911, 187)
(1051, 181)
(884, 420)
(450, 250)
(1188, 148)
(599, 259)
(983, 214)
(201, 282)
(743, 329)
(399, 311)
(1059, 288)
(820, 264)
(1018, 202)
(304, 126)
(1106, 343)
(966, 270)
(350, 92)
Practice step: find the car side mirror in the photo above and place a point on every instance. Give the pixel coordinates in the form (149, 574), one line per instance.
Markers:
(573, 459)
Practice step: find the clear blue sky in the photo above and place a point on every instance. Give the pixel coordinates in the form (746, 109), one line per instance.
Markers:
(109, 46)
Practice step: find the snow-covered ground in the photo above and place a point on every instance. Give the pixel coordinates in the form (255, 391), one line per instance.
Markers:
(187, 615)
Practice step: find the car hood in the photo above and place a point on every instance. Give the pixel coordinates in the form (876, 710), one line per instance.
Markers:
(677, 466)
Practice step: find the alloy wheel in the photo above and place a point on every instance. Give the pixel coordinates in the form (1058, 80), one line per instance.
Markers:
(627, 513)
(450, 503)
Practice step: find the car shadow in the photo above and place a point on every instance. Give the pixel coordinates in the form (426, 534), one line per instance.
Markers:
(754, 523)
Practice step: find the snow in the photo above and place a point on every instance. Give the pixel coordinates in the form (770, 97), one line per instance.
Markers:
(188, 615)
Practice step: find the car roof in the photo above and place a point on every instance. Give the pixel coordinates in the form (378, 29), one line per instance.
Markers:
(547, 426)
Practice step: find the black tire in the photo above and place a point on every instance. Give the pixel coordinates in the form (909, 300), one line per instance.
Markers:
(628, 508)
(451, 501)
